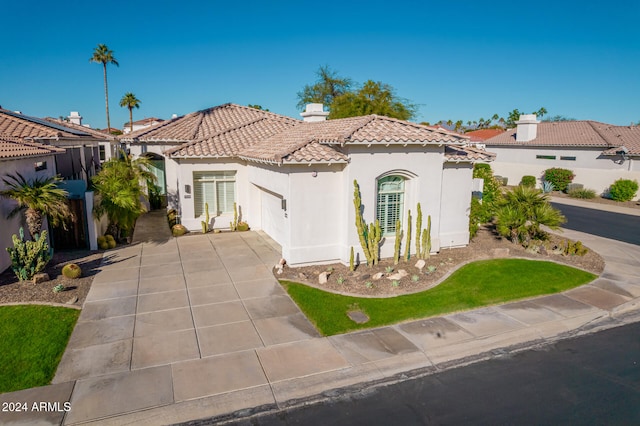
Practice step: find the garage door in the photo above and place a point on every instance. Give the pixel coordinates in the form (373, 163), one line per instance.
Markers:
(273, 220)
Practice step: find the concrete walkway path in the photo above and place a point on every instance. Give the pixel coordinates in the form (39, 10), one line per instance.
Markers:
(176, 329)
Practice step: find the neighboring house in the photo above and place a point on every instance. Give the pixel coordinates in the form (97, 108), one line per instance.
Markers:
(32, 160)
(108, 145)
(76, 165)
(597, 153)
(141, 124)
(481, 135)
(294, 179)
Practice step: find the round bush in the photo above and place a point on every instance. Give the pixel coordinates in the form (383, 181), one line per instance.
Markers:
(71, 270)
(178, 230)
(111, 243)
(623, 190)
(101, 240)
(104, 245)
(583, 193)
(109, 237)
(560, 178)
(528, 180)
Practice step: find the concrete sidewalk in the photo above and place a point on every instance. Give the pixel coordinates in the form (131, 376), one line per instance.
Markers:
(198, 327)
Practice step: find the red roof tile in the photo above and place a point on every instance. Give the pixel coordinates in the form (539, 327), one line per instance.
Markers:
(11, 147)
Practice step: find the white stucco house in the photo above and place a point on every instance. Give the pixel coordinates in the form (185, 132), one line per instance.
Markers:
(597, 153)
(293, 179)
(33, 161)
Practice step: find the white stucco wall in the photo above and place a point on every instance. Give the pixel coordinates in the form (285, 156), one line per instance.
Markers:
(592, 169)
(423, 166)
(8, 227)
(457, 183)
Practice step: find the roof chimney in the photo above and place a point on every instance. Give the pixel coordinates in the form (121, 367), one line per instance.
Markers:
(527, 128)
(75, 118)
(314, 112)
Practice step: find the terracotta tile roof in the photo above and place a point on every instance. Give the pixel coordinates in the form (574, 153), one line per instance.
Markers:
(483, 134)
(298, 143)
(622, 136)
(203, 125)
(23, 126)
(467, 153)
(98, 134)
(11, 147)
(560, 133)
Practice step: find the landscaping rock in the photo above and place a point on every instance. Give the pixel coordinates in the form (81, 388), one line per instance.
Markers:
(323, 277)
(420, 264)
(40, 278)
(72, 301)
(398, 275)
(377, 276)
(302, 276)
(500, 252)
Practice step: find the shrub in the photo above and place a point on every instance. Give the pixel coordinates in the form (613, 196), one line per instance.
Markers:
(58, 288)
(583, 193)
(101, 240)
(528, 180)
(71, 270)
(242, 226)
(575, 248)
(178, 230)
(103, 245)
(623, 190)
(29, 257)
(560, 178)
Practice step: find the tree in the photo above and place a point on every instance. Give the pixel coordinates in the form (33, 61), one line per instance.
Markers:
(104, 56)
(37, 198)
(521, 213)
(372, 98)
(556, 118)
(119, 188)
(515, 116)
(258, 107)
(328, 87)
(130, 101)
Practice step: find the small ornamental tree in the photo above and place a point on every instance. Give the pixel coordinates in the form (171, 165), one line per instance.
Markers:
(560, 178)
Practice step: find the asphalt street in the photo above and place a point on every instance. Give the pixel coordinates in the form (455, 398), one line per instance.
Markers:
(589, 380)
(616, 226)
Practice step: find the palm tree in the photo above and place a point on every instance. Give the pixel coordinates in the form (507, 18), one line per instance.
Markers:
(104, 56)
(130, 101)
(522, 211)
(38, 198)
(120, 187)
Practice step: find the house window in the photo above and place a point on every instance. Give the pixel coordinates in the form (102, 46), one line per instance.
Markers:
(40, 165)
(546, 157)
(218, 189)
(102, 152)
(389, 206)
(568, 158)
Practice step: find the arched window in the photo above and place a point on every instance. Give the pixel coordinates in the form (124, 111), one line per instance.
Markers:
(390, 203)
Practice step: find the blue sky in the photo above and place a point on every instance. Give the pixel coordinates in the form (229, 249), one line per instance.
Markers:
(455, 60)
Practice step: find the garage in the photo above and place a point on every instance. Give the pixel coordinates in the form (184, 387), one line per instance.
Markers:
(273, 215)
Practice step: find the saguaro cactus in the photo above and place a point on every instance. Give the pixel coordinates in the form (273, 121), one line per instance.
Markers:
(407, 249)
(369, 236)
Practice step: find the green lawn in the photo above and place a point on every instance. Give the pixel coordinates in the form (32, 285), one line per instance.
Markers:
(32, 340)
(477, 284)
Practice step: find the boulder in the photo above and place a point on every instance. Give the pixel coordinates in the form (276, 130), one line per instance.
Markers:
(323, 277)
(420, 264)
(40, 278)
(398, 275)
(377, 276)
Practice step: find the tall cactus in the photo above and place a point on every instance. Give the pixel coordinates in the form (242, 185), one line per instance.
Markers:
(419, 232)
(369, 236)
(407, 248)
(205, 223)
(234, 225)
(396, 249)
(375, 233)
(352, 266)
(426, 240)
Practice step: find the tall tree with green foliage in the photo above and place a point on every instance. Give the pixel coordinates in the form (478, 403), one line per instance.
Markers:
(327, 87)
(130, 101)
(38, 198)
(103, 55)
(515, 116)
(372, 98)
(120, 187)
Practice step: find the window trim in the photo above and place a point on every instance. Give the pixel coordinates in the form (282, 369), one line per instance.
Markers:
(214, 177)
(387, 208)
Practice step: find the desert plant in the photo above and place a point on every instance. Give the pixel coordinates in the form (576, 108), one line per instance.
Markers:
(623, 190)
(547, 186)
(388, 269)
(111, 242)
(205, 222)
(426, 240)
(431, 269)
(178, 230)
(407, 248)
(242, 226)
(419, 232)
(574, 186)
(396, 247)
(71, 270)
(528, 180)
(369, 236)
(340, 280)
(101, 240)
(29, 257)
(415, 278)
(368, 284)
(234, 225)
(395, 283)
(583, 193)
(352, 263)
(58, 288)
(523, 211)
(560, 178)
(172, 217)
(574, 248)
